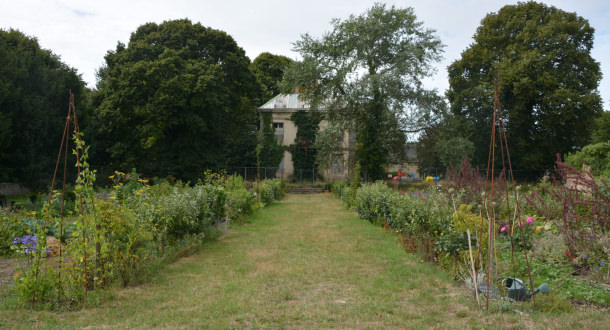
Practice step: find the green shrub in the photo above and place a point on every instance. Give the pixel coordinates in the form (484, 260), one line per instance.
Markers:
(595, 155)
(337, 187)
(372, 201)
(240, 202)
(269, 190)
(10, 228)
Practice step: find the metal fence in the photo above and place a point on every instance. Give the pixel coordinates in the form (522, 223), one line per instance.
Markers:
(303, 177)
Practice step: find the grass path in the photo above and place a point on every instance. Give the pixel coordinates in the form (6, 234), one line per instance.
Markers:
(303, 262)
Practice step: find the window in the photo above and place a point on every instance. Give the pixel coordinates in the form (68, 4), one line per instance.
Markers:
(278, 131)
(337, 164)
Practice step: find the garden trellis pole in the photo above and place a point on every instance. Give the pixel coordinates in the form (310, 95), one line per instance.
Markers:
(64, 146)
(499, 122)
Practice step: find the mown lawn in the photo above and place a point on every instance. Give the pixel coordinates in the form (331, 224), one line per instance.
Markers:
(303, 262)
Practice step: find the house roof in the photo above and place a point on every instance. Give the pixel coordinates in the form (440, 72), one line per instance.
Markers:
(288, 102)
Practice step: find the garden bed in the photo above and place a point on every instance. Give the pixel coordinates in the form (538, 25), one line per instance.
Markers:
(555, 233)
(118, 236)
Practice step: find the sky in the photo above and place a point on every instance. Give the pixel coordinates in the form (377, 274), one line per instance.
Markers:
(81, 32)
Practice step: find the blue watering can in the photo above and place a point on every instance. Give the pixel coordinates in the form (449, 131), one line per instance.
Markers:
(515, 289)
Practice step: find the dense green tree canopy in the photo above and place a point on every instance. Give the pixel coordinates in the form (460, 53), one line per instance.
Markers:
(368, 72)
(34, 95)
(601, 129)
(269, 151)
(548, 87)
(269, 70)
(176, 100)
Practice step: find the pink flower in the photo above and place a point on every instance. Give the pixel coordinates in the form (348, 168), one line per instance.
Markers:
(502, 229)
(520, 224)
(530, 220)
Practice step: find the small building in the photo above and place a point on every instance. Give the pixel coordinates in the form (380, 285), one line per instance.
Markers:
(281, 108)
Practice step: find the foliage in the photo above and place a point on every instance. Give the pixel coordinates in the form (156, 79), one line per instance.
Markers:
(371, 201)
(432, 135)
(304, 151)
(597, 156)
(328, 143)
(354, 184)
(337, 187)
(466, 185)
(34, 91)
(367, 71)
(269, 151)
(177, 98)
(435, 222)
(10, 228)
(269, 190)
(581, 207)
(552, 303)
(121, 235)
(601, 130)
(269, 70)
(547, 89)
(453, 150)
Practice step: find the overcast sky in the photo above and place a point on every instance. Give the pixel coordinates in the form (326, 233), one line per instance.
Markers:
(82, 31)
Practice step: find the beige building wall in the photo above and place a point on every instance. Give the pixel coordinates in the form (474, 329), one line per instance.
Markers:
(281, 108)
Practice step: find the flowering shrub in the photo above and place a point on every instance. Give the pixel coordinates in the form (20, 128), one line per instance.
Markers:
(25, 245)
(10, 227)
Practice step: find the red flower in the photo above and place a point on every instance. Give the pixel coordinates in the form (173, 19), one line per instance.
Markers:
(569, 255)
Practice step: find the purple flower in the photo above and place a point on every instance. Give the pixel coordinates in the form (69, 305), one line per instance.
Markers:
(596, 268)
(584, 255)
(520, 224)
(29, 242)
(530, 220)
(603, 262)
(502, 229)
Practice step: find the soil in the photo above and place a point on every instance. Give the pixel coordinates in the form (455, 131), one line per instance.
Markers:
(584, 305)
(7, 270)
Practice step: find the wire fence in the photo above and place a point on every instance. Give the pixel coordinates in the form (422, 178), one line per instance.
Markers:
(303, 177)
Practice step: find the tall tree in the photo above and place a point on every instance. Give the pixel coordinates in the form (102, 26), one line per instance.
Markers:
(548, 87)
(269, 70)
(176, 100)
(34, 95)
(601, 128)
(368, 72)
(269, 151)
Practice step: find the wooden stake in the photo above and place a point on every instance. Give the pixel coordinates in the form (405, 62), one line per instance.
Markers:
(474, 274)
